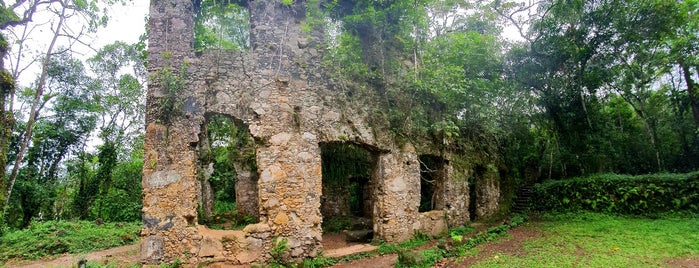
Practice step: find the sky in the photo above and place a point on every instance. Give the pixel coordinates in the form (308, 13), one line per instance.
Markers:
(127, 23)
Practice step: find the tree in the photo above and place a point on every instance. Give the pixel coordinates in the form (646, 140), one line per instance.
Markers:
(121, 76)
(582, 55)
(61, 14)
(68, 120)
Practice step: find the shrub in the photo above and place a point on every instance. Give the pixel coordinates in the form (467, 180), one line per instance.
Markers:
(53, 238)
(624, 194)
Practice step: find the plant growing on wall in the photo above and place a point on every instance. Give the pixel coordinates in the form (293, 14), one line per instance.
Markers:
(172, 84)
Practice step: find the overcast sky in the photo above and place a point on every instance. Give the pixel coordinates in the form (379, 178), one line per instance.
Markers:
(126, 24)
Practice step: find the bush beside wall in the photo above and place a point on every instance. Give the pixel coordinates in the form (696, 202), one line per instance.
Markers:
(624, 194)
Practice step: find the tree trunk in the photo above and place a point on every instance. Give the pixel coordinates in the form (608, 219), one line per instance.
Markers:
(8, 123)
(34, 113)
(639, 108)
(691, 92)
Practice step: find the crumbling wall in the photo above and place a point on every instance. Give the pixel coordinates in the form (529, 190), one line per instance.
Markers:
(279, 90)
(246, 191)
(170, 164)
(397, 195)
(456, 195)
(487, 191)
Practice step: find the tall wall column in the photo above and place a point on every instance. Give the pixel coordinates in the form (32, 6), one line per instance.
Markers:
(487, 190)
(288, 154)
(456, 195)
(169, 170)
(397, 195)
(246, 190)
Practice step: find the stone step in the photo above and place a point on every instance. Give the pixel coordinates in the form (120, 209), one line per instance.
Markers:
(340, 252)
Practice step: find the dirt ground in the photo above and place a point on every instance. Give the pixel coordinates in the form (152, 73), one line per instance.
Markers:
(512, 245)
(121, 256)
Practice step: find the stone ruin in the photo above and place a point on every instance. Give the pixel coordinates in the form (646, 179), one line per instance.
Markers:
(278, 91)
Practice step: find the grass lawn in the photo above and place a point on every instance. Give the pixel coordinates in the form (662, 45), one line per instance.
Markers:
(598, 240)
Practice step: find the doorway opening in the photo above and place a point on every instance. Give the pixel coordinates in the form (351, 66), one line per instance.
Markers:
(228, 174)
(431, 183)
(348, 190)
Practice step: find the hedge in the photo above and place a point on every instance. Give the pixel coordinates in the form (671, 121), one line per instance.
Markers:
(623, 194)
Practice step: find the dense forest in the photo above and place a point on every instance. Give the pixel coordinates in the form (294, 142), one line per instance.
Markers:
(574, 88)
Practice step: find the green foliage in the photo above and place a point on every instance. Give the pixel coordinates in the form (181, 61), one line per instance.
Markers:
(458, 233)
(50, 238)
(221, 25)
(599, 71)
(83, 172)
(409, 244)
(228, 143)
(318, 262)
(226, 216)
(279, 252)
(336, 224)
(7, 16)
(110, 264)
(173, 85)
(638, 195)
(408, 258)
(457, 246)
(343, 161)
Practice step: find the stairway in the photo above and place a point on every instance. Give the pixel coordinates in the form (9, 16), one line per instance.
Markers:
(522, 203)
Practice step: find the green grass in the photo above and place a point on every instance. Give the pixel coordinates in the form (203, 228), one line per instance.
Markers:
(54, 238)
(598, 240)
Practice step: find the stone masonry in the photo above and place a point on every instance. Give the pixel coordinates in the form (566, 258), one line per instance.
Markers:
(279, 90)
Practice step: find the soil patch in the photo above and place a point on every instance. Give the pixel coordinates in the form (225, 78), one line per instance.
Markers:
(383, 261)
(121, 256)
(684, 262)
(335, 241)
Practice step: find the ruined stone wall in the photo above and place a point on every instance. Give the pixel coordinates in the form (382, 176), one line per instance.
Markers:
(397, 195)
(169, 170)
(487, 192)
(246, 191)
(279, 90)
(456, 196)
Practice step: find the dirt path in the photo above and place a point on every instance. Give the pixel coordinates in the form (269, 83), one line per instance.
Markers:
(122, 256)
(511, 245)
